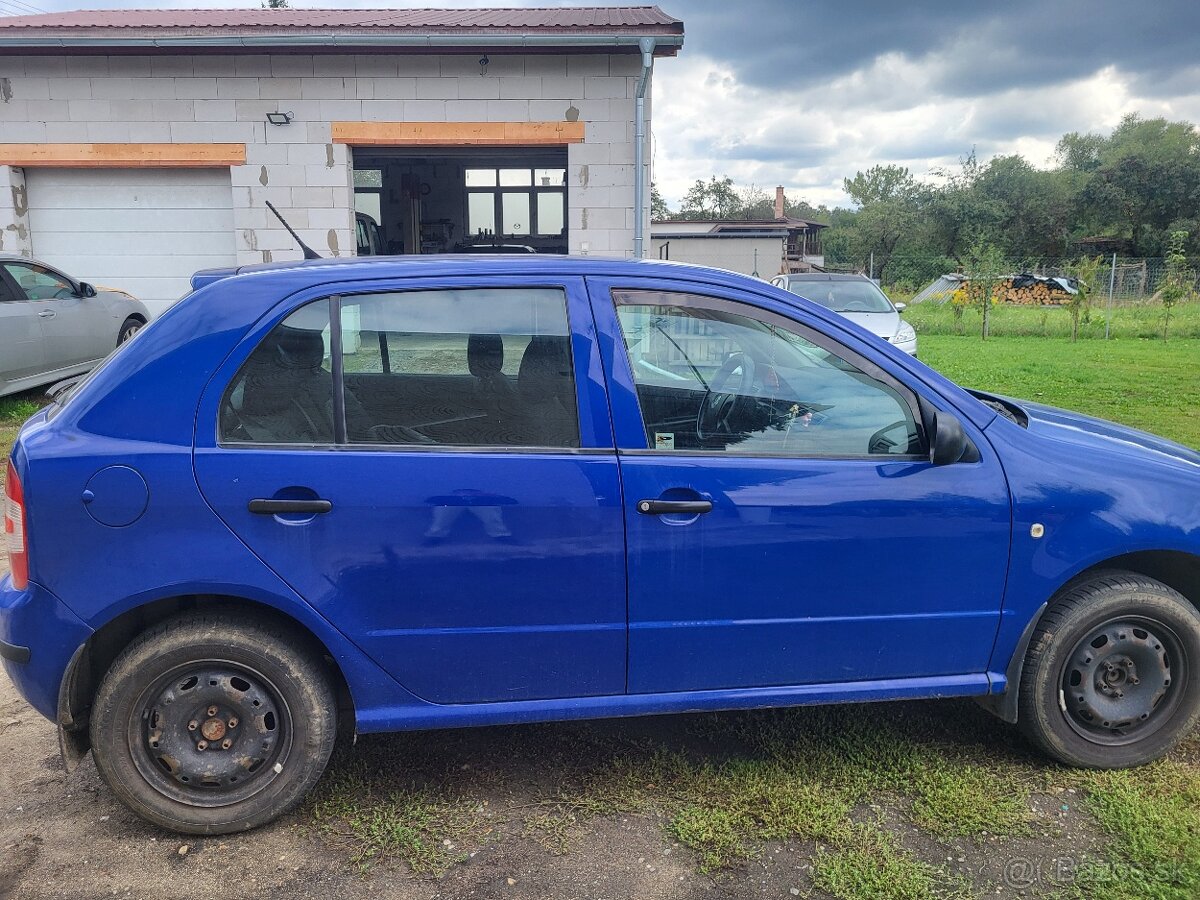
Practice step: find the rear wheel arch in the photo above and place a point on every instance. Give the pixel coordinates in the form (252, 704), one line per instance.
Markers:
(93, 660)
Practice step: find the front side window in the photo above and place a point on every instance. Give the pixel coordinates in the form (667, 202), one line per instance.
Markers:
(483, 367)
(710, 379)
(40, 283)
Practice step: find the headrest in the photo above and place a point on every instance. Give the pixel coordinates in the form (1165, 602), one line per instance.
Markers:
(485, 354)
(545, 368)
(299, 348)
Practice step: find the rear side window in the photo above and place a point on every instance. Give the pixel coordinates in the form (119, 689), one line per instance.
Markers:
(485, 367)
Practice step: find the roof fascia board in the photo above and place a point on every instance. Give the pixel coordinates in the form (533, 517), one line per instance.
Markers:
(668, 43)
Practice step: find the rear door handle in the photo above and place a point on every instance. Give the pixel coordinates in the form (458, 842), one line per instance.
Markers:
(667, 507)
(274, 507)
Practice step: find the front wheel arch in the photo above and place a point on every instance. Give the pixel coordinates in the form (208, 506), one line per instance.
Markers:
(1174, 568)
(92, 660)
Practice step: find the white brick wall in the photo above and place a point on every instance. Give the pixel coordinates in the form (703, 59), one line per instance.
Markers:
(201, 99)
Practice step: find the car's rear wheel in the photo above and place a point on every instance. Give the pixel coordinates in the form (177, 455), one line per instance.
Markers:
(213, 723)
(129, 328)
(1111, 678)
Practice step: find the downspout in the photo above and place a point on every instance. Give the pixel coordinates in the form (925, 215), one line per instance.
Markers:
(639, 149)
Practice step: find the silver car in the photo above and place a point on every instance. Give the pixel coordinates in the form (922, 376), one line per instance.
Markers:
(53, 326)
(857, 298)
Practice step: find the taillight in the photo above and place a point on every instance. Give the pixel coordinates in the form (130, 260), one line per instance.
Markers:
(14, 529)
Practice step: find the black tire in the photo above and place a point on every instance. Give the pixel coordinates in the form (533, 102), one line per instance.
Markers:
(129, 328)
(1112, 675)
(259, 692)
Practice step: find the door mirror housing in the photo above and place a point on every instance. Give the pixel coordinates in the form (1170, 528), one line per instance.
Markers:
(950, 443)
(900, 307)
(86, 290)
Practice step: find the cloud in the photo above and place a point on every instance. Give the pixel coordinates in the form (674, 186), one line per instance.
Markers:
(806, 92)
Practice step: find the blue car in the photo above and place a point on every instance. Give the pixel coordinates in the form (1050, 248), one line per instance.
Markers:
(387, 494)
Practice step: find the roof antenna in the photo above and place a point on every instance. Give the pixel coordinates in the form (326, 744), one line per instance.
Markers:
(309, 252)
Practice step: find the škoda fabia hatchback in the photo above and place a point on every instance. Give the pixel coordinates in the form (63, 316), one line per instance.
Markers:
(394, 494)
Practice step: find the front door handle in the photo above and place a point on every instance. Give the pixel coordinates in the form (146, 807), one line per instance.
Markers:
(46, 314)
(676, 507)
(275, 507)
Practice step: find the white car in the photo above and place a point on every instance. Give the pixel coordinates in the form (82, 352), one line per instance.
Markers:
(857, 298)
(53, 326)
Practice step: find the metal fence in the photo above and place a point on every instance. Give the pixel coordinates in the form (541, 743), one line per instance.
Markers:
(1124, 281)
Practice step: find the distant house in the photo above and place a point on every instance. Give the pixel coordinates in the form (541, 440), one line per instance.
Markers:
(762, 247)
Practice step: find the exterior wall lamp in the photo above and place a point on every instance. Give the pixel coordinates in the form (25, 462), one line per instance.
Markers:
(280, 118)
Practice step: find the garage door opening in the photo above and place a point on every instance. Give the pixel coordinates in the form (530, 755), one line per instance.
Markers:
(462, 200)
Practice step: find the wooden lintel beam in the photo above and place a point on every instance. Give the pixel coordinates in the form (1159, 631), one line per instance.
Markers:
(457, 134)
(123, 156)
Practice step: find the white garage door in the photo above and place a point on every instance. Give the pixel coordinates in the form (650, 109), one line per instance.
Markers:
(144, 231)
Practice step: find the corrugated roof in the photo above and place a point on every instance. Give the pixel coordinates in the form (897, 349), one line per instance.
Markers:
(434, 20)
(609, 29)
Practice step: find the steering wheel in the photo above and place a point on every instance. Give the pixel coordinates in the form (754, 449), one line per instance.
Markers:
(722, 398)
(880, 443)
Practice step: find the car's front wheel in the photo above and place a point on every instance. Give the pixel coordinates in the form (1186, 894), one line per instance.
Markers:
(129, 328)
(1112, 675)
(213, 723)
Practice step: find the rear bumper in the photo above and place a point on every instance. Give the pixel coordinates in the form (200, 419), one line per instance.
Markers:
(38, 635)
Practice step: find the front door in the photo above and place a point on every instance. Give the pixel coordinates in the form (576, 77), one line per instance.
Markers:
(455, 510)
(785, 525)
(75, 329)
(21, 346)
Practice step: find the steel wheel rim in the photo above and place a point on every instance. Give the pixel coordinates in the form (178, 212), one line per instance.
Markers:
(201, 759)
(131, 331)
(1123, 681)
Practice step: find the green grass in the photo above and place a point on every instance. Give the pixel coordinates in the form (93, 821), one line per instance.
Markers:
(16, 409)
(1152, 815)
(1150, 385)
(868, 864)
(1142, 321)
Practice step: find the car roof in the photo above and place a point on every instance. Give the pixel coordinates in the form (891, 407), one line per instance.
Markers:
(452, 264)
(826, 276)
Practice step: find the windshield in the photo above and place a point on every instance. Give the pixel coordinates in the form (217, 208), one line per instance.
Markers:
(843, 296)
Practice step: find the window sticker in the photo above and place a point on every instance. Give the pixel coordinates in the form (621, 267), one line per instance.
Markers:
(664, 440)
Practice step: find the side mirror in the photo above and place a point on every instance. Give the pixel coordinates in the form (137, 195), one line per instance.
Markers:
(900, 307)
(950, 443)
(86, 290)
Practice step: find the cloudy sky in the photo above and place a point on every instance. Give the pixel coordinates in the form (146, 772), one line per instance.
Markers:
(805, 93)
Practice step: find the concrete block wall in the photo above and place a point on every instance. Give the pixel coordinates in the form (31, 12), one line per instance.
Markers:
(223, 98)
(14, 224)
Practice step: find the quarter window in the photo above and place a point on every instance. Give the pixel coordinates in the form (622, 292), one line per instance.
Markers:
(470, 368)
(713, 380)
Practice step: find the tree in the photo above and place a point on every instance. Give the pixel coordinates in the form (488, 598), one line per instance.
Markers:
(1180, 281)
(658, 206)
(275, 4)
(713, 199)
(985, 271)
(889, 200)
(1085, 271)
(1145, 176)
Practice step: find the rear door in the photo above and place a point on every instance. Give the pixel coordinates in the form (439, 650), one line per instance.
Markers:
(464, 526)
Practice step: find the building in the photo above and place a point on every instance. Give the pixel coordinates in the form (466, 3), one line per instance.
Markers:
(137, 146)
(760, 247)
